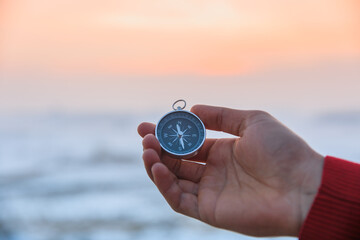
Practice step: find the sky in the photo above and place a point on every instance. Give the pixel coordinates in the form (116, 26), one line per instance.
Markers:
(91, 55)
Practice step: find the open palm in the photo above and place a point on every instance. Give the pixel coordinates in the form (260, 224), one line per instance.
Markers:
(261, 182)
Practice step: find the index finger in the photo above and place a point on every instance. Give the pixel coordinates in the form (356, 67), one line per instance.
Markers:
(145, 128)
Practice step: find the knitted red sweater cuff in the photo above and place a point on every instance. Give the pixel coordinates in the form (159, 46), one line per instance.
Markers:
(335, 213)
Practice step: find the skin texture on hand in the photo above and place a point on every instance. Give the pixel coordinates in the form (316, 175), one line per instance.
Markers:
(262, 182)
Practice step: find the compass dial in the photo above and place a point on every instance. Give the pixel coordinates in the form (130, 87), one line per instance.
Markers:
(180, 133)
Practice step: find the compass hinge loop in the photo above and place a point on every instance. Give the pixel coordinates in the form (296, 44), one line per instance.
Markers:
(179, 107)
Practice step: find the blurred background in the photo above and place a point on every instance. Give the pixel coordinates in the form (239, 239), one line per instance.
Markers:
(77, 77)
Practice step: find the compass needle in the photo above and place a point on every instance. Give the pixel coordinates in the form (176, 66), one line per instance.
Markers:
(180, 133)
(182, 143)
(178, 129)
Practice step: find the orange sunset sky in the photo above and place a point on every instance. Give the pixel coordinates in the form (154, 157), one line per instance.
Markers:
(64, 54)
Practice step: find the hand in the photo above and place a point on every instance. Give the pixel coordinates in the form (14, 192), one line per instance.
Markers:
(261, 182)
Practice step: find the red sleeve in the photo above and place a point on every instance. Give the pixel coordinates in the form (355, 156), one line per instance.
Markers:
(335, 213)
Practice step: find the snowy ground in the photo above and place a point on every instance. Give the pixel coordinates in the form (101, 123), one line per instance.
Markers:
(80, 176)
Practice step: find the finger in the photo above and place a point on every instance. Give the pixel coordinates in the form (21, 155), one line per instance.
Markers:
(146, 128)
(183, 169)
(223, 119)
(204, 151)
(168, 185)
(189, 187)
(150, 141)
(150, 157)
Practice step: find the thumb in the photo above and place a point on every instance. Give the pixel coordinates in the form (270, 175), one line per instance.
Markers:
(223, 119)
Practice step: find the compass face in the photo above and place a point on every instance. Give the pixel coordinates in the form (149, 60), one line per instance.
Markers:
(180, 133)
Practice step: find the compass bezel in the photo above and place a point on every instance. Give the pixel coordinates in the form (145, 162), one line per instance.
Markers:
(186, 155)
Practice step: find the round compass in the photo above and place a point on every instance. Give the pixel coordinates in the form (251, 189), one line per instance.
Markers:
(180, 133)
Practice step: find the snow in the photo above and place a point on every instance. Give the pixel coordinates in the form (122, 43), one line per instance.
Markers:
(73, 176)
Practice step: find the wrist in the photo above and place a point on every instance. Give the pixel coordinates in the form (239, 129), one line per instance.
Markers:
(310, 186)
(335, 213)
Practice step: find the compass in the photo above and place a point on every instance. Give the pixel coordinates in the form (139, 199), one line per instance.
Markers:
(181, 133)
